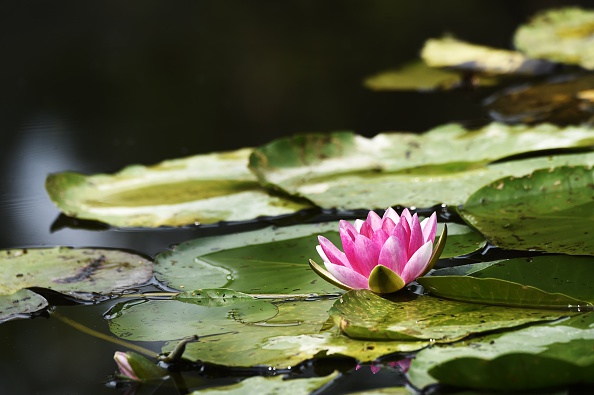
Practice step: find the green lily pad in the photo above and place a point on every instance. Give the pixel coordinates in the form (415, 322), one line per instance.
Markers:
(362, 314)
(549, 210)
(229, 337)
(250, 262)
(541, 282)
(416, 76)
(271, 385)
(566, 100)
(199, 189)
(22, 302)
(562, 35)
(346, 171)
(449, 52)
(82, 273)
(173, 320)
(536, 357)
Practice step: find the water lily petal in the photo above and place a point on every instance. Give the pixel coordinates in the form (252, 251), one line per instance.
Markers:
(366, 230)
(379, 238)
(416, 235)
(325, 274)
(388, 224)
(391, 214)
(393, 255)
(417, 263)
(348, 234)
(374, 220)
(429, 226)
(330, 253)
(358, 224)
(367, 255)
(402, 232)
(406, 215)
(347, 276)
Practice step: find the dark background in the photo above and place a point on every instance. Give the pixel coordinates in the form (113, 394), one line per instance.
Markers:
(93, 86)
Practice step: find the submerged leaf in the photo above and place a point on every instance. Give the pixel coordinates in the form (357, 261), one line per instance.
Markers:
(549, 210)
(541, 282)
(199, 189)
(362, 314)
(20, 303)
(562, 35)
(76, 272)
(414, 76)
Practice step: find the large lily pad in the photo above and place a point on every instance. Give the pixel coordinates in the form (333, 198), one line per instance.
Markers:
(347, 171)
(199, 189)
(542, 281)
(270, 261)
(271, 386)
(293, 335)
(456, 54)
(20, 304)
(82, 273)
(539, 356)
(362, 314)
(549, 210)
(563, 35)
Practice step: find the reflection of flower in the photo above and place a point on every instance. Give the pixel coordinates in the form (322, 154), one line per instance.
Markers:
(403, 365)
(382, 254)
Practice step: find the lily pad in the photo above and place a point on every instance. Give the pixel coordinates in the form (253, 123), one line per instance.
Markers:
(200, 189)
(536, 357)
(297, 333)
(346, 171)
(449, 52)
(82, 273)
(549, 210)
(415, 76)
(541, 282)
(21, 303)
(271, 385)
(250, 262)
(562, 35)
(561, 100)
(362, 314)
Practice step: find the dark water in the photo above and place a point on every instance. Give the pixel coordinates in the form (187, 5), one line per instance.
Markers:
(94, 86)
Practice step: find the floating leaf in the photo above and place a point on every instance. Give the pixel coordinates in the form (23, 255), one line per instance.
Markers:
(347, 171)
(549, 210)
(229, 337)
(566, 100)
(77, 272)
(536, 357)
(562, 35)
(271, 385)
(414, 76)
(198, 189)
(269, 261)
(362, 314)
(542, 281)
(22, 302)
(456, 54)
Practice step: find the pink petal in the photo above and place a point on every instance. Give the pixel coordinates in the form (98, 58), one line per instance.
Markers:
(393, 255)
(366, 230)
(379, 237)
(331, 252)
(367, 255)
(417, 263)
(345, 228)
(429, 226)
(388, 224)
(374, 220)
(416, 235)
(402, 233)
(358, 224)
(406, 215)
(391, 214)
(348, 244)
(347, 276)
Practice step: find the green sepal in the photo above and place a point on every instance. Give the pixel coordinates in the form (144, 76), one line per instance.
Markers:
(325, 274)
(437, 250)
(144, 368)
(382, 280)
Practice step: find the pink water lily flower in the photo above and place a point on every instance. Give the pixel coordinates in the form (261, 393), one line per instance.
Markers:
(382, 254)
